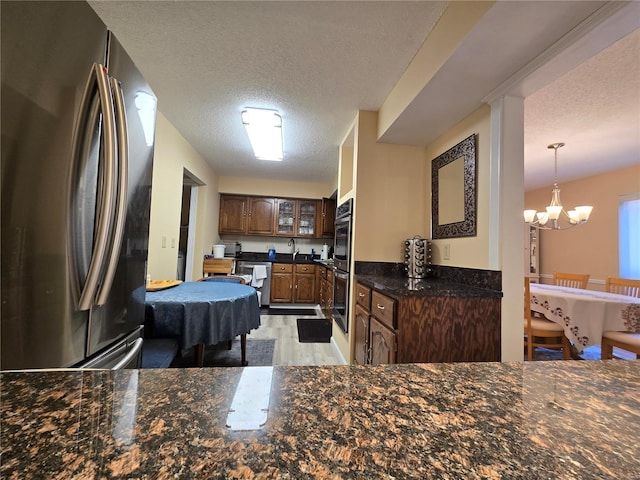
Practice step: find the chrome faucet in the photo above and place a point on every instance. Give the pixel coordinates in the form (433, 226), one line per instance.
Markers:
(292, 244)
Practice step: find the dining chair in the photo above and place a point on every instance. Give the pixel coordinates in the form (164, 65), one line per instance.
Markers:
(540, 332)
(623, 286)
(574, 280)
(623, 340)
(225, 278)
(217, 266)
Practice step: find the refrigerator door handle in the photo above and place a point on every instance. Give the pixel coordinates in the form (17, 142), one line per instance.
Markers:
(122, 191)
(97, 81)
(135, 351)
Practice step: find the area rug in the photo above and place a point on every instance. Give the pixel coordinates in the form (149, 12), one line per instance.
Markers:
(314, 330)
(548, 354)
(291, 311)
(158, 352)
(259, 354)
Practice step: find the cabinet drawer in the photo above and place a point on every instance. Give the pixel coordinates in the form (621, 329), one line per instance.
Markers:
(363, 296)
(383, 308)
(323, 273)
(330, 275)
(304, 268)
(282, 268)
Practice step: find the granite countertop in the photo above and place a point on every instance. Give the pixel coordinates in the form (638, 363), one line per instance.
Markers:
(560, 420)
(303, 258)
(397, 287)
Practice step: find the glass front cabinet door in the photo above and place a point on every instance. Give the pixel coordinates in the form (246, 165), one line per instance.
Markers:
(296, 218)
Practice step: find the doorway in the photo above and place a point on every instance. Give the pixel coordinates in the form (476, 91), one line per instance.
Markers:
(190, 184)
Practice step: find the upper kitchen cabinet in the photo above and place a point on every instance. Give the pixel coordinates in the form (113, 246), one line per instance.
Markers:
(233, 214)
(296, 217)
(327, 217)
(246, 215)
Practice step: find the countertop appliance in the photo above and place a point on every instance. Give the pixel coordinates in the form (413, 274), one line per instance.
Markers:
(244, 267)
(78, 126)
(232, 248)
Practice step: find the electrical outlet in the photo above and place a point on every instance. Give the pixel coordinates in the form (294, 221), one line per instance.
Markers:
(173, 243)
(164, 242)
(447, 252)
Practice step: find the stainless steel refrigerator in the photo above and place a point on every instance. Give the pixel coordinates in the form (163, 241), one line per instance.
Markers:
(78, 125)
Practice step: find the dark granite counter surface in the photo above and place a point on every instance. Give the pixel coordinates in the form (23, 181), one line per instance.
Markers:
(533, 420)
(396, 286)
(280, 258)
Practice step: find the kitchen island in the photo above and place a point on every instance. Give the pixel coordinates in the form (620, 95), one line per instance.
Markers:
(561, 420)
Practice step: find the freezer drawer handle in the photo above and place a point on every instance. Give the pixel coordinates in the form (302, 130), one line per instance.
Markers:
(135, 350)
(122, 187)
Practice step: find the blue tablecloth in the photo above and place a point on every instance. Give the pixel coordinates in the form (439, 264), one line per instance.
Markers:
(203, 312)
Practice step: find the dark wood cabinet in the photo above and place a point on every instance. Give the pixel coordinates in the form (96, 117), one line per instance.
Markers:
(383, 343)
(246, 215)
(269, 216)
(293, 283)
(325, 291)
(296, 217)
(261, 216)
(427, 329)
(327, 217)
(282, 283)
(233, 214)
(304, 284)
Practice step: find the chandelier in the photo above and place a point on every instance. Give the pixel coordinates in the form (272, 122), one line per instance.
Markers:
(554, 214)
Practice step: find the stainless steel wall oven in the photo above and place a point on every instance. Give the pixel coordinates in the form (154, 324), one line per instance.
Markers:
(342, 261)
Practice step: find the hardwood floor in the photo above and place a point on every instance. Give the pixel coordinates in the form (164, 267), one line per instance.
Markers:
(288, 350)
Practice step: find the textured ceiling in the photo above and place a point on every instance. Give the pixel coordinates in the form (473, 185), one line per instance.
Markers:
(594, 110)
(318, 63)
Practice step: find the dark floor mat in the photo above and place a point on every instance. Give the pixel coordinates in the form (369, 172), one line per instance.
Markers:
(158, 352)
(314, 330)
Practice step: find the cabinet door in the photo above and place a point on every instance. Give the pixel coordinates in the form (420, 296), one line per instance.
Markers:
(281, 288)
(233, 214)
(307, 218)
(305, 288)
(383, 343)
(327, 218)
(261, 215)
(285, 217)
(361, 354)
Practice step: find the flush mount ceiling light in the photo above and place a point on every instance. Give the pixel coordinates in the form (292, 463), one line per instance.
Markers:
(551, 219)
(264, 128)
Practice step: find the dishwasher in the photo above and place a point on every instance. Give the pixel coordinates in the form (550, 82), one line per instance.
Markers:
(246, 268)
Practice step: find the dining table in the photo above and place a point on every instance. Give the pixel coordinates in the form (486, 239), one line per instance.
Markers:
(203, 313)
(586, 314)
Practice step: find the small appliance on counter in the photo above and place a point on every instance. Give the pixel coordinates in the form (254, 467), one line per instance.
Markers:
(417, 257)
(232, 248)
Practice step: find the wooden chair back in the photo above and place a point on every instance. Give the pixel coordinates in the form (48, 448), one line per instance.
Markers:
(225, 278)
(217, 266)
(574, 280)
(542, 332)
(623, 286)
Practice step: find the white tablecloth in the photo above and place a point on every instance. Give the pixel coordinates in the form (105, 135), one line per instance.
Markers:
(585, 314)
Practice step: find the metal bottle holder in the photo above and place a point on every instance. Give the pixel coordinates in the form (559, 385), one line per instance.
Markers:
(417, 257)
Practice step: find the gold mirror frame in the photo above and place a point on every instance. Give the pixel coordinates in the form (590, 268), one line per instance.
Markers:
(467, 227)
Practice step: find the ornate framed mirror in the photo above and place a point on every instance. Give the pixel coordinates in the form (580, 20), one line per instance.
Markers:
(454, 192)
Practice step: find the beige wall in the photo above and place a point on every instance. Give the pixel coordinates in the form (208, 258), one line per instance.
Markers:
(276, 188)
(172, 155)
(467, 252)
(454, 25)
(390, 194)
(593, 247)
